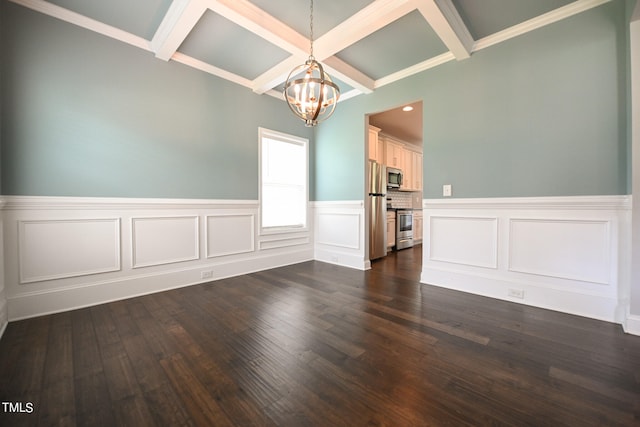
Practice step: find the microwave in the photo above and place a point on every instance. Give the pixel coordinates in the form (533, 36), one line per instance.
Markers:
(394, 178)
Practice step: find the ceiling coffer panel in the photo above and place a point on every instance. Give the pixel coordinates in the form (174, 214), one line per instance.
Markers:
(219, 42)
(401, 44)
(327, 14)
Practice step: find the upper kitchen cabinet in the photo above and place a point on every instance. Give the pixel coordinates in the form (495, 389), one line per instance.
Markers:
(407, 158)
(412, 172)
(394, 153)
(376, 145)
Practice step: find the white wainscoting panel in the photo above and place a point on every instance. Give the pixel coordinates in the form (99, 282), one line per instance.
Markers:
(164, 240)
(340, 233)
(64, 253)
(569, 254)
(464, 240)
(569, 249)
(230, 234)
(284, 240)
(58, 249)
(337, 229)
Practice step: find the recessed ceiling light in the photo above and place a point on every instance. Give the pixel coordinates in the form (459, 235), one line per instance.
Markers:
(407, 108)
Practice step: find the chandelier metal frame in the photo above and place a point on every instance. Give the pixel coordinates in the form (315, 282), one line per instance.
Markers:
(309, 91)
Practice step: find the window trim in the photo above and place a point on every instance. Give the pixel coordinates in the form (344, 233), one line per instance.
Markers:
(281, 136)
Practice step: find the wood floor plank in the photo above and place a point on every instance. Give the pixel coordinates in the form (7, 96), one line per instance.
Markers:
(315, 344)
(57, 405)
(203, 408)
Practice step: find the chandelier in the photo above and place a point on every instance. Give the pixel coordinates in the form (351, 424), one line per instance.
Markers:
(309, 91)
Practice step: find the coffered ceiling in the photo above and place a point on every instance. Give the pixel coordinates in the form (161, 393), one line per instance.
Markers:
(364, 44)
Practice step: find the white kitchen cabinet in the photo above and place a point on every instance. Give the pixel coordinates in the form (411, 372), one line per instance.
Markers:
(416, 160)
(403, 156)
(376, 145)
(407, 170)
(394, 154)
(391, 229)
(412, 171)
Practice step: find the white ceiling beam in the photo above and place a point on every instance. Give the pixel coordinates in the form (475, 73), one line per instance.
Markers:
(178, 22)
(443, 17)
(348, 74)
(348, 95)
(257, 21)
(368, 20)
(360, 25)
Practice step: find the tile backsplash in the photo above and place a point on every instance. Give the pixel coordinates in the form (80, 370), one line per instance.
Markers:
(403, 199)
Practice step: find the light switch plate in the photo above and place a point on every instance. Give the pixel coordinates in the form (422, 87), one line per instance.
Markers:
(446, 190)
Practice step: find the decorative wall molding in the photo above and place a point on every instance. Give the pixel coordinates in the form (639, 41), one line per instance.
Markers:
(604, 298)
(340, 233)
(464, 240)
(164, 240)
(230, 234)
(56, 249)
(569, 249)
(84, 203)
(168, 248)
(283, 241)
(569, 254)
(335, 229)
(534, 203)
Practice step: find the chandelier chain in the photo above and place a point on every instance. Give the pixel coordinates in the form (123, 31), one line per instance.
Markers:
(311, 31)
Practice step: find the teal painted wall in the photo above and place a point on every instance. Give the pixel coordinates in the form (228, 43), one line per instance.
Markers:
(84, 115)
(543, 114)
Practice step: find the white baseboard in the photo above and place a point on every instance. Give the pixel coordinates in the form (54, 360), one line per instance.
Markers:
(632, 325)
(3, 328)
(343, 259)
(39, 303)
(581, 304)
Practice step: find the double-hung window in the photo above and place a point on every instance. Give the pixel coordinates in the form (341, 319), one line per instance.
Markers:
(284, 181)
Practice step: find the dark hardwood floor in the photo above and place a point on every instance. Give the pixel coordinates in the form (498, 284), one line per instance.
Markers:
(314, 344)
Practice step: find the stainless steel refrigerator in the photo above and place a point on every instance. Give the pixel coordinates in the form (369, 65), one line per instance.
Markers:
(377, 210)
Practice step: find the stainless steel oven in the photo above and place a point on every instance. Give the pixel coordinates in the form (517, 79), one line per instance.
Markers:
(404, 229)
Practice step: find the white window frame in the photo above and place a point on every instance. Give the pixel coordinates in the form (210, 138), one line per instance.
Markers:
(280, 136)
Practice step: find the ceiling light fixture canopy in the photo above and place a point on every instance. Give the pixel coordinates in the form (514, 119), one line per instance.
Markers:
(309, 91)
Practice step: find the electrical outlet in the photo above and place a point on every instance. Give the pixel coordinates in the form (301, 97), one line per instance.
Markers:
(516, 293)
(446, 190)
(207, 274)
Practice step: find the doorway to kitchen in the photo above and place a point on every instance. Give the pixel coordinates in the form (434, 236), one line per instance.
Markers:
(394, 183)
